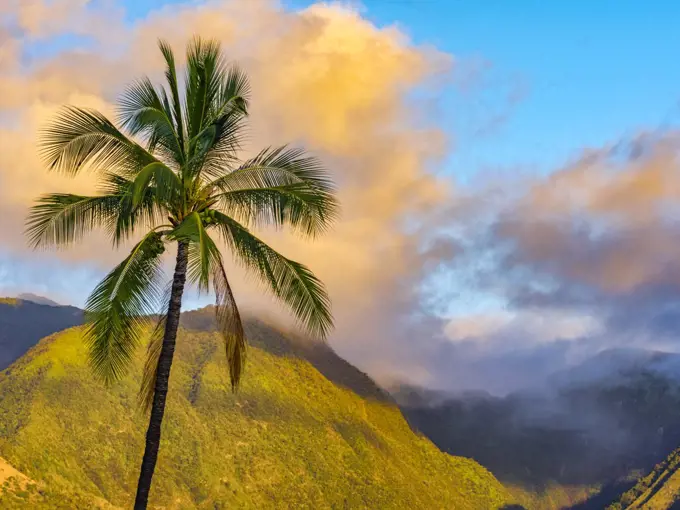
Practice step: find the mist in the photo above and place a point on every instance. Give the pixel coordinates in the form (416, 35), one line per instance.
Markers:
(601, 422)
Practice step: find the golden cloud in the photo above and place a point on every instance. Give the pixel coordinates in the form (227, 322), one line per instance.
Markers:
(323, 77)
(606, 219)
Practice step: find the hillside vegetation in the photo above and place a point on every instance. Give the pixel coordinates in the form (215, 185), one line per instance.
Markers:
(23, 323)
(659, 490)
(290, 439)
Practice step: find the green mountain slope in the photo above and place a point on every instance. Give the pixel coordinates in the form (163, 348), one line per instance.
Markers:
(659, 490)
(290, 439)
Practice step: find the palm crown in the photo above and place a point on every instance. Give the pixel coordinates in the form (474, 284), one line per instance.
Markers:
(172, 169)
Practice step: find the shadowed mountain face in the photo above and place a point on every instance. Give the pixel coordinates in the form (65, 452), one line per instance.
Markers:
(617, 414)
(23, 323)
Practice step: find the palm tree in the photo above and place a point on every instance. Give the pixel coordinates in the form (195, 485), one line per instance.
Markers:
(171, 170)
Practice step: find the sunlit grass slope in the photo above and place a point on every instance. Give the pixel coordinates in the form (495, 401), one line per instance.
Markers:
(658, 490)
(289, 439)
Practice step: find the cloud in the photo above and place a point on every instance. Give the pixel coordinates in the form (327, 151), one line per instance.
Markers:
(581, 260)
(325, 78)
(605, 224)
(493, 285)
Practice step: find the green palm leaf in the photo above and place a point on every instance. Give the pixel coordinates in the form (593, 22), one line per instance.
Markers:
(171, 79)
(117, 311)
(280, 187)
(148, 211)
(295, 205)
(217, 113)
(166, 184)
(61, 218)
(144, 110)
(205, 265)
(205, 76)
(278, 166)
(81, 138)
(288, 280)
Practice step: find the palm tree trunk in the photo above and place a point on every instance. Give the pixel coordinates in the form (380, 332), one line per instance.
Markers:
(153, 433)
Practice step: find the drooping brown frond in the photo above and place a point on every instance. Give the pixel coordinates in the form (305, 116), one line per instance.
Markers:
(229, 323)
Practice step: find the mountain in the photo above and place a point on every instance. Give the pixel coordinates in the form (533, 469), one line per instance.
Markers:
(658, 490)
(291, 437)
(580, 441)
(39, 300)
(321, 356)
(23, 323)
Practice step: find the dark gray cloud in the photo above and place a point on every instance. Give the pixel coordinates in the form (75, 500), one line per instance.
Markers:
(582, 260)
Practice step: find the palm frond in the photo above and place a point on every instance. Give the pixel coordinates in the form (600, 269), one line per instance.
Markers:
(229, 323)
(297, 205)
(292, 282)
(117, 311)
(205, 265)
(222, 136)
(216, 152)
(83, 138)
(173, 85)
(202, 249)
(278, 166)
(233, 94)
(147, 212)
(143, 110)
(280, 187)
(205, 74)
(61, 218)
(161, 180)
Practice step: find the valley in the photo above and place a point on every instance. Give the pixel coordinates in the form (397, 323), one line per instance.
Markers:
(290, 438)
(580, 444)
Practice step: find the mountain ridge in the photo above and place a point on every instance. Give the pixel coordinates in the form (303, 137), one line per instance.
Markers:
(38, 300)
(290, 439)
(29, 323)
(23, 323)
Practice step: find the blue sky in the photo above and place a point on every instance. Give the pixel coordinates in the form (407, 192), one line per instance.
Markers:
(592, 71)
(583, 73)
(588, 72)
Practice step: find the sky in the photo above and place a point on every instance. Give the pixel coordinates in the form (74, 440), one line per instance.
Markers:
(507, 169)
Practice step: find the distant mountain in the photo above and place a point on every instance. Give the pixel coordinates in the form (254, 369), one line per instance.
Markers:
(23, 323)
(40, 300)
(596, 425)
(291, 437)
